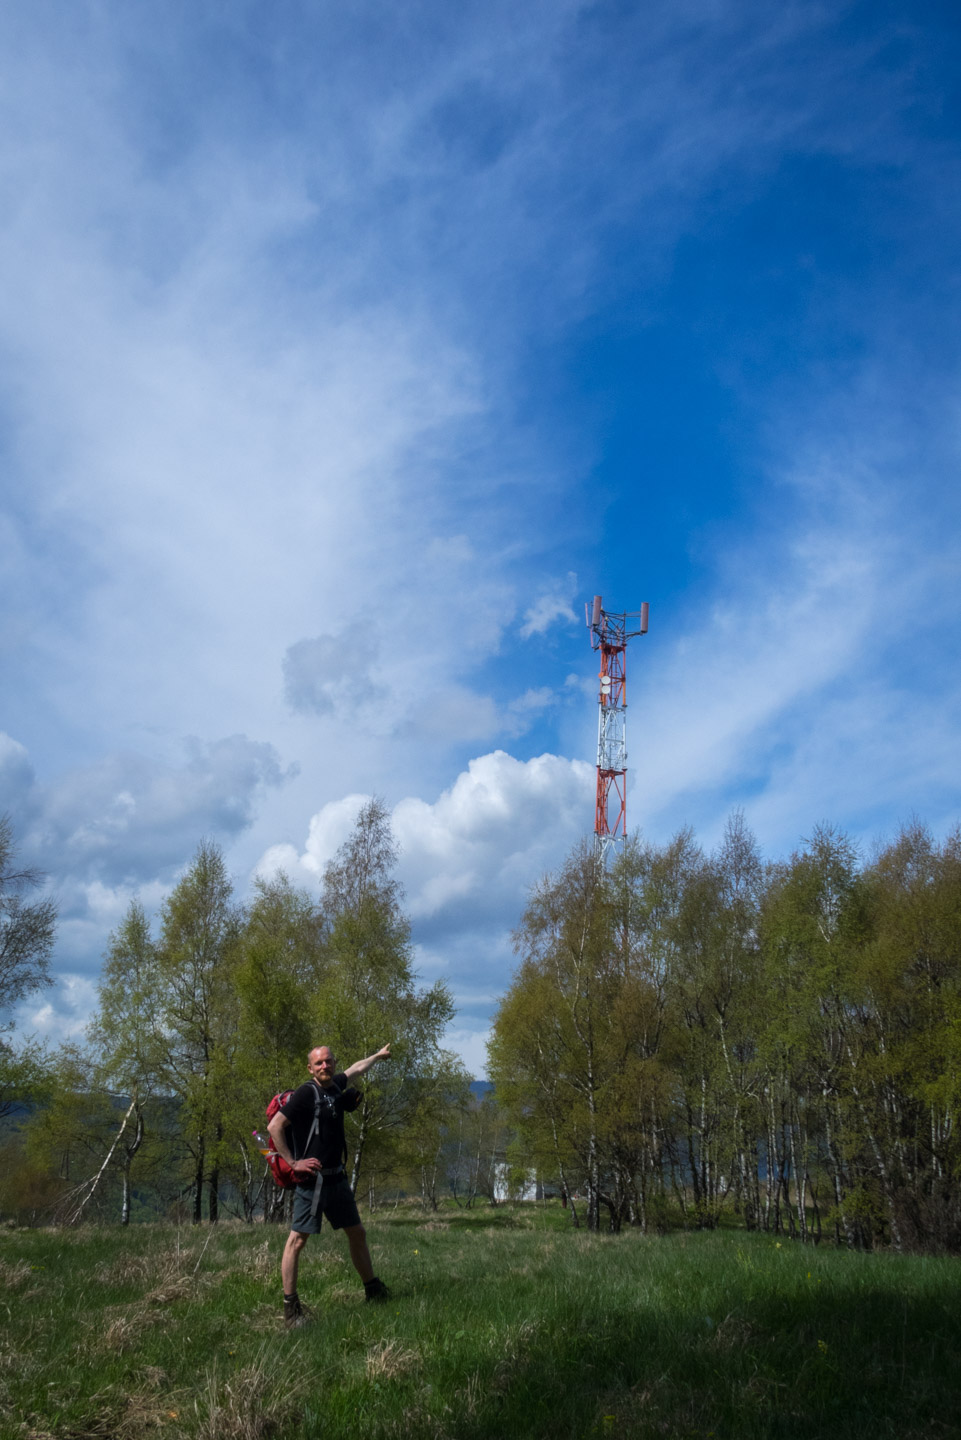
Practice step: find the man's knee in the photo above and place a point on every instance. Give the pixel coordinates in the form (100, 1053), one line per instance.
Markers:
(296, 1241)
(356, 1234)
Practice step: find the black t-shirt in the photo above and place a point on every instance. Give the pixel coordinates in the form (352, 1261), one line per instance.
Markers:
(327, 1145)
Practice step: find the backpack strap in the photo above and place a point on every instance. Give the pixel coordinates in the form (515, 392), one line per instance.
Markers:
(342, 1131)
(316, 1125)
(322, 1174)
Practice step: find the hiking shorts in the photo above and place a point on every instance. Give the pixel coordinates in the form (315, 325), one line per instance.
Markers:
(336, 1202)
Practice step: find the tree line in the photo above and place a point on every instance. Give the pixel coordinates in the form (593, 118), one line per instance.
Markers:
(696, 1032)
(685, 1034)
(210, 1009)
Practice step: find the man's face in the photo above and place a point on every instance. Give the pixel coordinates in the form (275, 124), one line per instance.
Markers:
(322, 1065)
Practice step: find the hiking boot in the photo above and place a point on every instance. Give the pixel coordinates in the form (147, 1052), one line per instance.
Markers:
(376, 1290)
(296, 1314)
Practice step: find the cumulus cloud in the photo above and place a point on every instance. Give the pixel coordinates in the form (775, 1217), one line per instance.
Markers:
(477, 847)
(467, 862)
(482, 842)
(327, 831)
(118, 830)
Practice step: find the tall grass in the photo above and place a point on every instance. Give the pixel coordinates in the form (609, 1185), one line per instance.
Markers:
(504, 1323)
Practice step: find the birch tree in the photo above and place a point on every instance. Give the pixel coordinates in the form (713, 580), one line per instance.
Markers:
(199, 931)
(126, 1036)
(370, 995)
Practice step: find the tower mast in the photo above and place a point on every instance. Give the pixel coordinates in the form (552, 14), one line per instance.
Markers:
(609, 636)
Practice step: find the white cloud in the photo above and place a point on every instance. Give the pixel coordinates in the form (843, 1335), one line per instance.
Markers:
(869, 754)
(64, 1016)
(772, 646)
(814, 687)
(554, 604)
(471, 1046)
(273, 420)
(131, 816)
(328, 830)
(491, 833)
(479, 845)
(467, 861)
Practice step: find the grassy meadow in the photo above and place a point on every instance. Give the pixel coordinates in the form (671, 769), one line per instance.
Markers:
(504, 1323)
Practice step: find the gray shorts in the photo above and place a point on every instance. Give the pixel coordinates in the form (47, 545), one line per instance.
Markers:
(336, 1202)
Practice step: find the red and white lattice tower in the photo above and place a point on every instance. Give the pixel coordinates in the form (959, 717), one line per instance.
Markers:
(609, 635)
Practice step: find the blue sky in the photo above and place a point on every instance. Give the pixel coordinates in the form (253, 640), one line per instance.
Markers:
(345, 351)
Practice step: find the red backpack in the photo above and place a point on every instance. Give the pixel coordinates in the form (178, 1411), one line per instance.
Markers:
(279, 1167)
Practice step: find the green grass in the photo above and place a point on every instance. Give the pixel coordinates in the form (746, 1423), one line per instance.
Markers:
(504, 1324)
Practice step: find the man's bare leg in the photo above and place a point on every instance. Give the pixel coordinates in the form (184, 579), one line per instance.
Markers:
(290, 1261)
(359, 1253)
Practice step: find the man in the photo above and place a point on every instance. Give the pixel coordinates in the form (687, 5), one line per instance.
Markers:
(313, 1119)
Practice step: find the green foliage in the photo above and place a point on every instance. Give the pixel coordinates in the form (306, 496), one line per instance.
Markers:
(369, 996)
(786, 1042)
(280, 965)
(558, 1046)
(688, 1036)
(198, 1027)
(124, 1033)
(24, 1075)
(200, 929)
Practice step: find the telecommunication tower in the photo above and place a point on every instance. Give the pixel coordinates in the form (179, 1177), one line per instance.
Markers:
(609, 635)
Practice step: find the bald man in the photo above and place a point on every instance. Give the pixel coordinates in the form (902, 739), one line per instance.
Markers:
(309, 1133)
